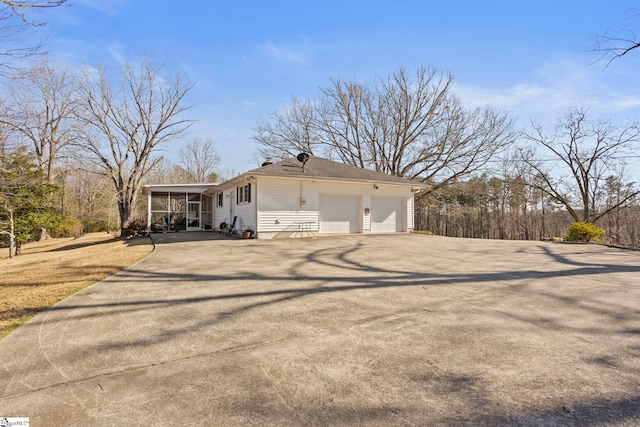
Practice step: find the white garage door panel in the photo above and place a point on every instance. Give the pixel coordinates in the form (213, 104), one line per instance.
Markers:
(339, 214)
(386, 215)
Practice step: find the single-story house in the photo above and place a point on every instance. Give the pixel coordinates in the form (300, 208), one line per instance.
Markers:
(290, 198)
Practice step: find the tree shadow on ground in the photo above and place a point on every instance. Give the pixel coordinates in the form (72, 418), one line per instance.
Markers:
(298, 283)
(144, 240)
(345, 274)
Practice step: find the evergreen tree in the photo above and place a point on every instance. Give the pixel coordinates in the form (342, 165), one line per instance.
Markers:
(26, 201)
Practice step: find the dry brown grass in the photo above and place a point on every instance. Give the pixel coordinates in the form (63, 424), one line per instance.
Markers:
(49, 271)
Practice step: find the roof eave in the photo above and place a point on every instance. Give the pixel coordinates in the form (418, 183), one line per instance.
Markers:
(147, 187)
(328, 178)
(233, 182)
(246, 177)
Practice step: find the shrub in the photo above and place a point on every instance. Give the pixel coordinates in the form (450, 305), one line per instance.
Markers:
(94, 225)
(137, 226)
(584, 231)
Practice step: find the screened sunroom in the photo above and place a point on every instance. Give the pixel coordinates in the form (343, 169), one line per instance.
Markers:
(178, 207)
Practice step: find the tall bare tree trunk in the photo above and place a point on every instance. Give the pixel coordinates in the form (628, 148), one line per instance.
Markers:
(130, 119)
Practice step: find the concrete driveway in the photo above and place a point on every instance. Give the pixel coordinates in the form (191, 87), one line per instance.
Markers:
(363, 330)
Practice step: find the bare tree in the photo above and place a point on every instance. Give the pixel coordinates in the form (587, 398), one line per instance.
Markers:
(43, 112)
(15, 20)
(166, 172)
(20, 6)
(130, 118)
(615, 45)
(403, 126)
(5, 143)
(289, 132)
(200, 159)
(590, 152)
(87, 194)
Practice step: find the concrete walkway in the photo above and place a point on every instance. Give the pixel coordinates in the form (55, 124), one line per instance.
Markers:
(359, 330)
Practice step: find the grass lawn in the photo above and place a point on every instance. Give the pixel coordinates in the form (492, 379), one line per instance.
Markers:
(49, 271)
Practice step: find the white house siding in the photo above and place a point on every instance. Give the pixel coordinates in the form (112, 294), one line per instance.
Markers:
(284, 203)
(220, 214)
(246, 212)
(410, 210)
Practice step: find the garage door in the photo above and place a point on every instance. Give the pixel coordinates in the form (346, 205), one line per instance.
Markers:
(387, 215)
(339, 214)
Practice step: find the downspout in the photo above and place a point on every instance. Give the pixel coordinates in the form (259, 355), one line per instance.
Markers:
(255, 198)
(149, 211)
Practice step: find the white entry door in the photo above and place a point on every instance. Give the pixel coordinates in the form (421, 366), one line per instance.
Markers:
(193, 216)
(339, 214)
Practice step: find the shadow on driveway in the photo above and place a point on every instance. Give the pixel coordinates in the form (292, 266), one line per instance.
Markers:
(356, 330)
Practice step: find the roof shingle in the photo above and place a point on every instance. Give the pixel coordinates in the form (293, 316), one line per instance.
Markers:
(317, 167)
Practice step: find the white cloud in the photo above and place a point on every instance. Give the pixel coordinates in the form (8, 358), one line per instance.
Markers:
(622, 102)
(505, 97)
(289, 53)
(249, 106)
(115, 50)
(551, 89)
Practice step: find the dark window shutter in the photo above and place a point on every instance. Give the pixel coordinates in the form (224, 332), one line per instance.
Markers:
(249, 193)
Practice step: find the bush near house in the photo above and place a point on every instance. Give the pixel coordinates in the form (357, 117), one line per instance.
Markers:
(136, 226)
(584, 231)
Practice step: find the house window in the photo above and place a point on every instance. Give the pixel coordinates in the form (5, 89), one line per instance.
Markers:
(243, 194)
(219, 199)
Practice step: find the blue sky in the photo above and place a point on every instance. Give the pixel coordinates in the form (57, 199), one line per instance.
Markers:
(531, 59)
